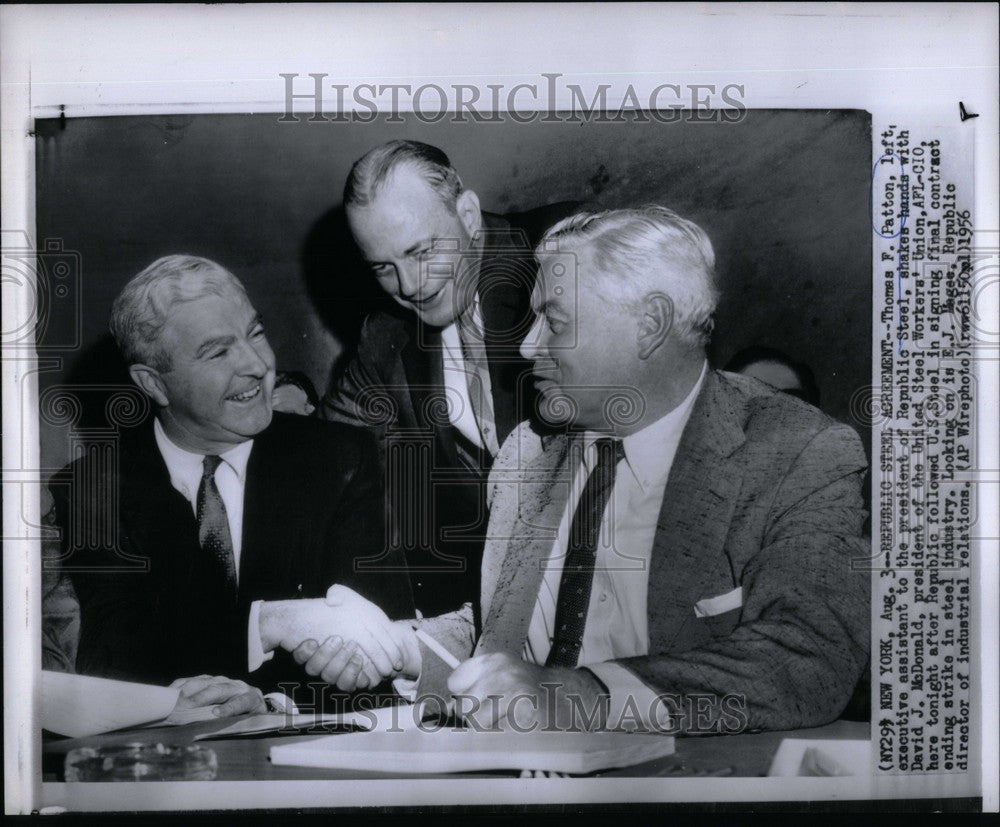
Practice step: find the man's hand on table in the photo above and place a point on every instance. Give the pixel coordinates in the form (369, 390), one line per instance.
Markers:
(501, 690)
(228, 696)
(362, 645)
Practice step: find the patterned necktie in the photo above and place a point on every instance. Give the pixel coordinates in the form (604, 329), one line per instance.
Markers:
(578, 570)
(213, 528)
(478, 379)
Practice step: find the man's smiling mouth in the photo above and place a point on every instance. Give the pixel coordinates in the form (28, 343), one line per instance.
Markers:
(246, 396)
(428, 300)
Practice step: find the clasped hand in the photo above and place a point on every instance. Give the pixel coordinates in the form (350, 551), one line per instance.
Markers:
(360, 645)
(226, 695)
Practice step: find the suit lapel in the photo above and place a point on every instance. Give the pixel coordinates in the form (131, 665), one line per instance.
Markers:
(149, 502)
(424, 370)
(695, 517)
(275, 559)
(259, 509)
(506, 277)
(539, 498)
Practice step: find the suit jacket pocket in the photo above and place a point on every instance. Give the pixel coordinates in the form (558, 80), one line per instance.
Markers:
(722, 625)
(720, 614)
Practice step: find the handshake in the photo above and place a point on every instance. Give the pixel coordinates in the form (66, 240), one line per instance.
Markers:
(349, 642)
(344, 639)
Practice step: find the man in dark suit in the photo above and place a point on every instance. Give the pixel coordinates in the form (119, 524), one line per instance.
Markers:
(191, 549)
(688, 555)
(442, 381)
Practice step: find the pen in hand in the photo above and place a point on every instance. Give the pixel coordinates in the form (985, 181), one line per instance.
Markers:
(436, 648)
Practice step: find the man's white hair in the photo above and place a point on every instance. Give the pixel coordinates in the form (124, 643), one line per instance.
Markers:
(141, 309)
(647, 250)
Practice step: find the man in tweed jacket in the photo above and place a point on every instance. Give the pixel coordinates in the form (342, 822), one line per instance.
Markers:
(729, 589)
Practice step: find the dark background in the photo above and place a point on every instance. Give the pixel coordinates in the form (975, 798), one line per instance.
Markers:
(782, 194)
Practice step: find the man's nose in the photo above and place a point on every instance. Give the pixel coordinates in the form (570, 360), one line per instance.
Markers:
(254, 361)
(408, 275)
(531, 346)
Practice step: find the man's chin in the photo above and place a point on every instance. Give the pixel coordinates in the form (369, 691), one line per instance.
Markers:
(442, 311)
(556, 408)
(437, 319)
(253, 423)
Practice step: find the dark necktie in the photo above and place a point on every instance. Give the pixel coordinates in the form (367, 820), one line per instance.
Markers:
(578, 570)
(213, 528)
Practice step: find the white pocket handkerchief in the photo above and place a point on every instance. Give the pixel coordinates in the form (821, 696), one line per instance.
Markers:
(711, 606)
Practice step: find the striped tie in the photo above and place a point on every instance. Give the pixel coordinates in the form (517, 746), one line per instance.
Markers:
(478, 378)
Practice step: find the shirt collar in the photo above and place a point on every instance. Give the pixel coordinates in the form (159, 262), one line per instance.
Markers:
(184, 464)
(645, 449)
(451, 335)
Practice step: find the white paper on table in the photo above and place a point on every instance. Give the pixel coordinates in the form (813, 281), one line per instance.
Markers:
(81, 705)
(400, 718)
(418, 751)
(821, 758)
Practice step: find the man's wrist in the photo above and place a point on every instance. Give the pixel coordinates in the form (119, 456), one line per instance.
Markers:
(594, 683)
(583, 700)
(256, 654)
(272, 624)
(411, 649)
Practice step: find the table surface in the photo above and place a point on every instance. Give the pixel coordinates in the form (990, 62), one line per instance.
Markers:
(247, 758)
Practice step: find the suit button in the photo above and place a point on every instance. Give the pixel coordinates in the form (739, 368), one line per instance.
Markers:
(603, 597)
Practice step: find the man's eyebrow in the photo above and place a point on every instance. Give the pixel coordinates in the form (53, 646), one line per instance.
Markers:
(424, 242)
(218, 341)
(409, 251)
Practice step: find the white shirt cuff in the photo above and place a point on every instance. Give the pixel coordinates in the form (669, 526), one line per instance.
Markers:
(256, 656)
(633, 705)
(279, 702)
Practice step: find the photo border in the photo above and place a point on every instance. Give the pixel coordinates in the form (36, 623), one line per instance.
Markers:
(804, 56)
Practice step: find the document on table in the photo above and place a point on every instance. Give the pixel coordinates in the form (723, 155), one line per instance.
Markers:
(80, 705)
(385, 719)
(435, 750)
(826, 757)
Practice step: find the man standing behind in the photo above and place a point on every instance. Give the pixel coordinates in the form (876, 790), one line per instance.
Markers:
(689, 553)
(189, 550)
(443, 382)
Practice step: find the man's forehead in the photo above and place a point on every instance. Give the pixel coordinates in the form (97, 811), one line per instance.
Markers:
(413, 211)
(560, 270)
(227, 308)
(400, 185)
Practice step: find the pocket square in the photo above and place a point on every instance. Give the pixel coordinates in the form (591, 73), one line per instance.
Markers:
(711, 606)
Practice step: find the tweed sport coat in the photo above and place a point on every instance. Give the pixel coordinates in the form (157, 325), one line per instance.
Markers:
(762, 516)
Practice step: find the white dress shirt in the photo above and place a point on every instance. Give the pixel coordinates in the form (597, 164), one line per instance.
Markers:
(186, 470)
(617, 617)
(456, 384)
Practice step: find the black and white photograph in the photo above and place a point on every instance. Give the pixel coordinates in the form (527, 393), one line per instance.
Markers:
(608, 433)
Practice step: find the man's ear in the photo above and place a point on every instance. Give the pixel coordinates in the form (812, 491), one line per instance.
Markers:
(655, 324)
(151, 383)
(467, 208)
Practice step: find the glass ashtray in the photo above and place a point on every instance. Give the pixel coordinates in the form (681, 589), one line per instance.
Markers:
(142, 762)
